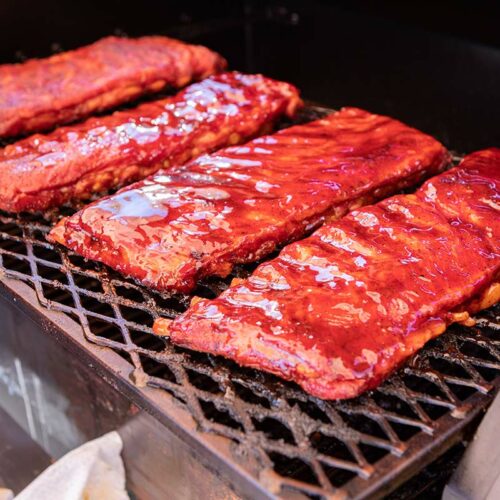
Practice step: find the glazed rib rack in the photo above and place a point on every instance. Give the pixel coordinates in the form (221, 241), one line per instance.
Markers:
(361, 447)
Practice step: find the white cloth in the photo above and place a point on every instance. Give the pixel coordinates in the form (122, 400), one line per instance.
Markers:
(94, 471)
(6, 494)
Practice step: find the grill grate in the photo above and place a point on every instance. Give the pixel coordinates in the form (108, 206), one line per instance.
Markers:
(357, 447)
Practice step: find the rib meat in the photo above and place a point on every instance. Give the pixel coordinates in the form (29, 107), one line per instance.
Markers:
(239, 204)
(340, 310)
(41, 93)
(43, 171)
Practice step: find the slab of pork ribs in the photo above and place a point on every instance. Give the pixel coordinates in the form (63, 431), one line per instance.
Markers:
(340, 310)
(41, 93)
(73, 162)
(239, 204)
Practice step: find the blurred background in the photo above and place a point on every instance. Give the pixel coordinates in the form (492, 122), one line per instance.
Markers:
(435, 65)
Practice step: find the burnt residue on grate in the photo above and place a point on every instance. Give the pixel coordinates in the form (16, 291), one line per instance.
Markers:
(318, 448)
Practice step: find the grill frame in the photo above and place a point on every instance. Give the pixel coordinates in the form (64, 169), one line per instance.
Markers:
(215, 411)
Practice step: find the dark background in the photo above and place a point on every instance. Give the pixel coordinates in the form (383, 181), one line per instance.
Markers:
(435, 65)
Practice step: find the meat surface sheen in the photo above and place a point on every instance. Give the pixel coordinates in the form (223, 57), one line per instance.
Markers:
(340, 310)
(241, 203)
(72, 162)
(41, 93)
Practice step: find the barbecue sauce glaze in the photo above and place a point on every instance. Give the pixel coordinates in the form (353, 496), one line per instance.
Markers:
(241, 203)
(44, 171)
(338, 311)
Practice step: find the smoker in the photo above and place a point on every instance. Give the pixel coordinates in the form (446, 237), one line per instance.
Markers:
(77, 354)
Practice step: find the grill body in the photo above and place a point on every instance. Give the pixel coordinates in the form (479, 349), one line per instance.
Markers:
(65, 390)
(261, 435)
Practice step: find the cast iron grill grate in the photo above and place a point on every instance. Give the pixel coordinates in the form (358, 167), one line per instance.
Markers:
(358, 448)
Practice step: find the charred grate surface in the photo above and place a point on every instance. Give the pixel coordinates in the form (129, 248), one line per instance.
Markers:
(359, 447)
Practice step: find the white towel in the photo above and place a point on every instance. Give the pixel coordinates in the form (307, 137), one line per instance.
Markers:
(93, 471)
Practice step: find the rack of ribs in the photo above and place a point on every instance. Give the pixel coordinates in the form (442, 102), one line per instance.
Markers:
(44, 171)
(241, 203)
(41, 93)
(340, 310)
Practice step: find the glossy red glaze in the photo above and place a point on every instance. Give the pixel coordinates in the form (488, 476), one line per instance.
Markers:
(43, 171)
(338, 311)
(239, 204)
(40, 93)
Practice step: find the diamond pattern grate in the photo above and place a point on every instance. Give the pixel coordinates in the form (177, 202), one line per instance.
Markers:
(317, 448)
